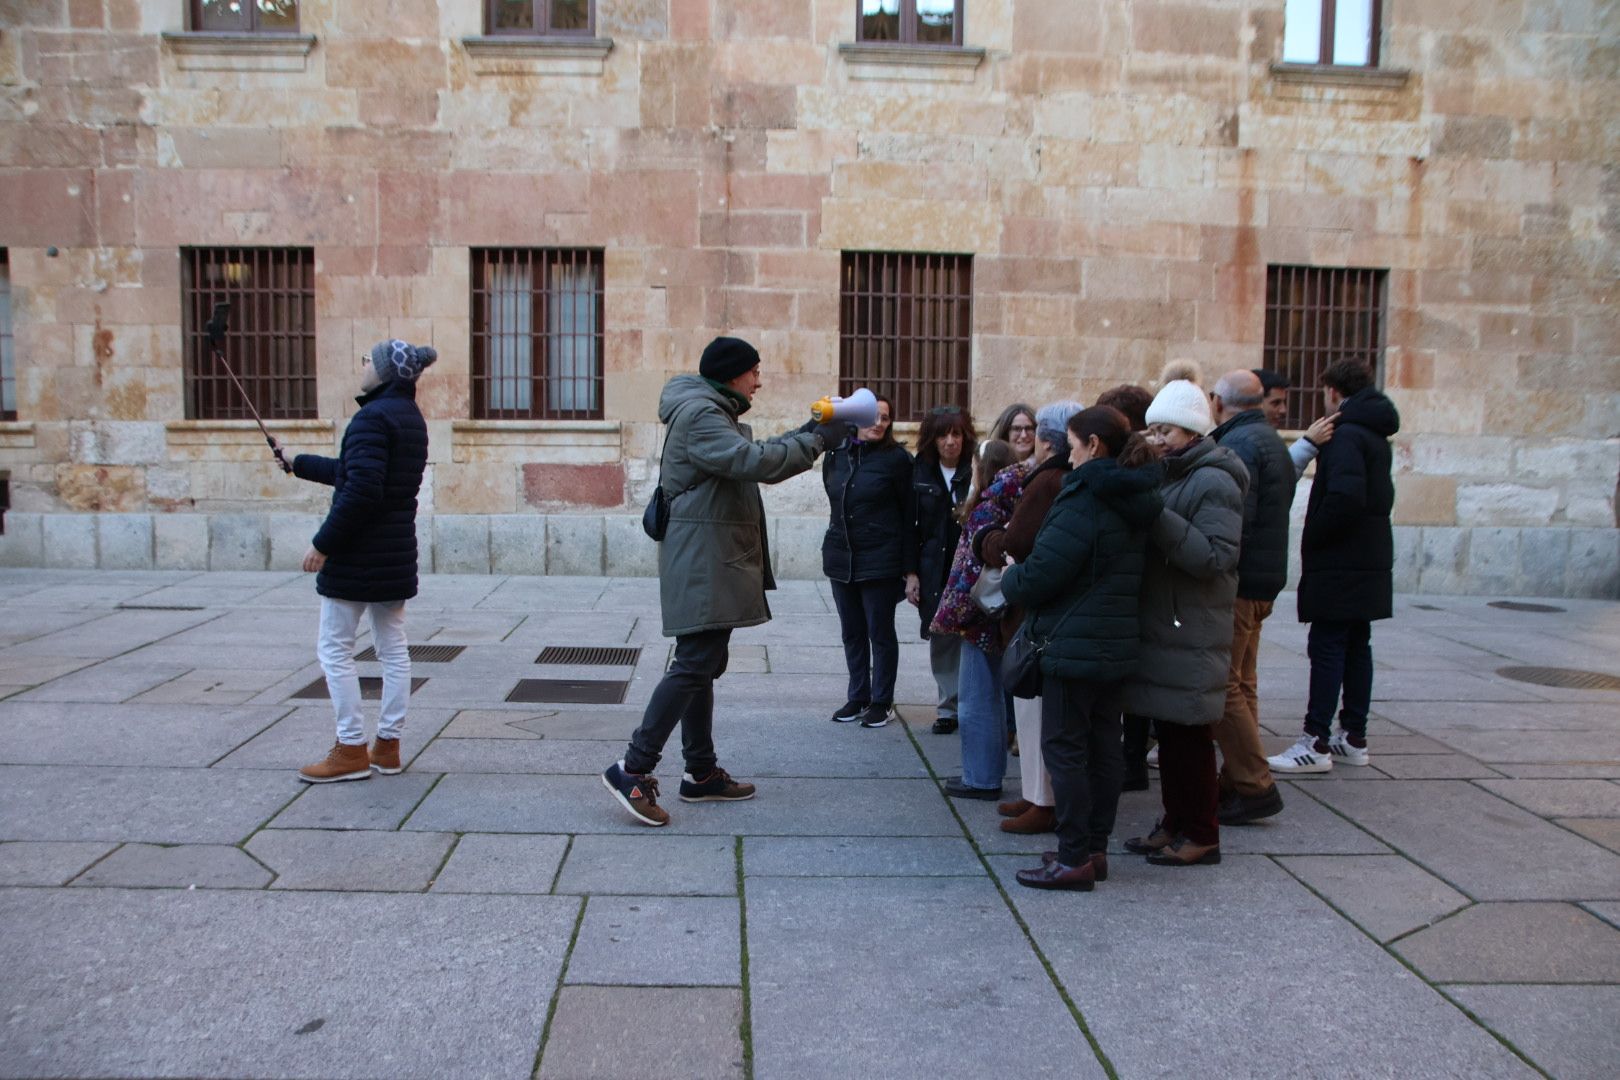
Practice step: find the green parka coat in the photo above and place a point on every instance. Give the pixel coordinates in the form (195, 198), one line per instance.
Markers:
(714, 564)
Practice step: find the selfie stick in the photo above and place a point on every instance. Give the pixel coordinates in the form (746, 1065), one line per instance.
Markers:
(215, 328)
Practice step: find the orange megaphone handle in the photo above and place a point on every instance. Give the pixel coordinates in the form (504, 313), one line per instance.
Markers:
(822, 410)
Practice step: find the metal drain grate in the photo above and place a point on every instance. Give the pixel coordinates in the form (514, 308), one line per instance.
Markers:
(569, 691)
(370, 689)
(590, 655)
(425, 654)
(1561, 677)
(1520, 605)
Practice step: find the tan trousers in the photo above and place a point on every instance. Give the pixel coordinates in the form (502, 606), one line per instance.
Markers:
(1237, 732)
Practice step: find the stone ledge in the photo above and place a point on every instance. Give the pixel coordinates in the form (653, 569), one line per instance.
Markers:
(16, 434)
(910, 63)
(239, 432)
(512, 54)
(560, 442)
(1340, 75)
(214, 51)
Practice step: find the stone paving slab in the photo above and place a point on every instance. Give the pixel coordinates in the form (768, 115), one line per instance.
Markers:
(1385, 894)
(213, 687)
(1441, 719)
(1609, 911)
(1531, 943)
(656, 864)
(1481, 844)
(784, 807)
(234, 1000)
(1429, 767)
(1447, 685)
(658, 941)
(966, 990)
(61, 733)
(159, 806)
(1535, 746)
(493, 724)
(695, 1029)
(1571, 1031)
(106, 683)
(33, 670)
(863, 856)
(115, 633)
(1565, 771)
(382, 802)
(24, 623)
(1604, 831)
(307, 732)
(46, 863)
(1560, 798)
(202, 866)
(353, 861)
(502, 864)
(1155, 941)
(532, 755)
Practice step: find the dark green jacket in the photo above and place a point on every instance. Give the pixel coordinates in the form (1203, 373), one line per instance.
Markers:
(1082, 581)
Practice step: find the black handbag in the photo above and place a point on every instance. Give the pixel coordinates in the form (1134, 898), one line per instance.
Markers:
(655, 519)
(1021, 663)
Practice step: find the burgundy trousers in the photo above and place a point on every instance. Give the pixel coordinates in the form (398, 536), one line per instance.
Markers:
(1188, 781)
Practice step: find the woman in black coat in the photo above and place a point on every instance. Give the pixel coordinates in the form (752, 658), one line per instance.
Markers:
(867, 555)
(941, 476)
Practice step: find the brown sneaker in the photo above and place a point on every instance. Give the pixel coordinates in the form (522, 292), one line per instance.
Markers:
(1037, 819)
(716, 786)
(637, 793)
(1186, 853)
(1157, 840)
(343, 763)
(385, 756)
(1013, 807)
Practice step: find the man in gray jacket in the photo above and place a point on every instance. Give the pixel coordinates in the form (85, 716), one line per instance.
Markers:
(714, 566)
(1248, 792)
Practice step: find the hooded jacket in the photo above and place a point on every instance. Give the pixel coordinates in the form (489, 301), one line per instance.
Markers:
(1188, 588)
(1082, 580)
(369, 535)
(869, 537)
(1263, 562)
(1347, 550)
(714, 565)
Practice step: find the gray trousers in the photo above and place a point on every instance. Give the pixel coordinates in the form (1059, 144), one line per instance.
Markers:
(945, 658)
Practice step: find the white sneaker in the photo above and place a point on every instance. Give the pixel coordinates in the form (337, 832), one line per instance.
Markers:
(1153, 757)
(1344, 753)
(1302, 757)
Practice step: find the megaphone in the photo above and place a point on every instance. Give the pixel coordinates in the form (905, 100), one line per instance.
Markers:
(860, 409)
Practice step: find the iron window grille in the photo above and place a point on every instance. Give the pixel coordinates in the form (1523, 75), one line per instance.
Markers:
(905, 324)
(909, 22)
(270, 343)
(1333, 32)
(8, 363)
(1315, 316)
(537, 333)
(245, 16)
(540, 18)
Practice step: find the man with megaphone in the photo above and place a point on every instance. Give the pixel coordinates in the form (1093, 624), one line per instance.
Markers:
(714, 566)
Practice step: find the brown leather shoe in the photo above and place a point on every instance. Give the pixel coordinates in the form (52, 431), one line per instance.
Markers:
(1157, 840)
(1037, 819)
(343, 763)
(1183, 852)
(1054, 875)
(385, 756)
(1099, 863)
(1013, 807)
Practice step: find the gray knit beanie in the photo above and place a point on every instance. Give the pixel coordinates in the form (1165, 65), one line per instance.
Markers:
(1052, 423)
(401, 360)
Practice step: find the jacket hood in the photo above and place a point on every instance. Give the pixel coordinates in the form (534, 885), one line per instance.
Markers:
(684, 388)
(391, 388)
(1132, 493)
(1372, 410)
(1208, 454)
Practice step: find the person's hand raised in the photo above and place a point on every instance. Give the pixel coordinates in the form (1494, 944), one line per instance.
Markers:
(1321, 431)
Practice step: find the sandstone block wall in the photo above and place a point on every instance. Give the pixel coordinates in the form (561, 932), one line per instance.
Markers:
(1122, 171)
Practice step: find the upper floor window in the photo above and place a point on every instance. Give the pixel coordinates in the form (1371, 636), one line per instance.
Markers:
(1314, 316)
(270, 340)
(537, 334)
(540, 17)
(910, 22)
(905, 328)
(8, 370)
(245, 16)
(1343, 32)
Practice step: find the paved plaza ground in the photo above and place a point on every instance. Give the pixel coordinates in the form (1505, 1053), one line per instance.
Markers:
(174, 903)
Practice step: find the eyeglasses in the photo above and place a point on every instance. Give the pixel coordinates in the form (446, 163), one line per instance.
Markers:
(1022, 429)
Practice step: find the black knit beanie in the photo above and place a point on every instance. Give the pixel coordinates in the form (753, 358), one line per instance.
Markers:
(726, 358)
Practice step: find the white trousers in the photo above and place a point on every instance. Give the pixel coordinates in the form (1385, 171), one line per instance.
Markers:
(1031, 762)
(340, 621)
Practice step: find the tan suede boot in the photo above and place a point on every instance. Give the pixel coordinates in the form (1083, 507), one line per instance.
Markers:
(343, 763)
(385, 756)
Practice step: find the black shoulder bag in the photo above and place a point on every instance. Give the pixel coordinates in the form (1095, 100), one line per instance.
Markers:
(1021, 663)
(655, 519)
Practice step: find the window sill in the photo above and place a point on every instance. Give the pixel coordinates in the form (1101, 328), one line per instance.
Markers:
(16, 434)
(1340, 75)
(556, 442)
(208, 51)
(910, 63)
(511, 54)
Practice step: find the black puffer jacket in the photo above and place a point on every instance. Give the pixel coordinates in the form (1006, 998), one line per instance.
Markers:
(870, 535)
(1263, 561)
(369, 535)
(1084, 577)
(1347, 551)
(936, 530)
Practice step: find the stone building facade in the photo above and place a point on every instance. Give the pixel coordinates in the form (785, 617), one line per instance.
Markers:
(1122, 173)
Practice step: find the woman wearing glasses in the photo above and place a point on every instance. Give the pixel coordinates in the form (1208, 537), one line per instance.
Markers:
(1016, 427)
(940, 479)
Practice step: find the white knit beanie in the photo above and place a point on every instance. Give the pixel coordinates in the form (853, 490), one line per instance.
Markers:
(1183, 404)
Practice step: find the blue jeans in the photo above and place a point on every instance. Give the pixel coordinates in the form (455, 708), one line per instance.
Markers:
(1341, 659)
(871, 649)
(982, 718)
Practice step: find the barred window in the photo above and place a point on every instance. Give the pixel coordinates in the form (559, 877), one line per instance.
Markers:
(540, 17)
(270, 341)
(905, 324)
(909, 22)
(245, 16)
(1315, 316)
(1343, 32)
(8, 370)
(537, 333)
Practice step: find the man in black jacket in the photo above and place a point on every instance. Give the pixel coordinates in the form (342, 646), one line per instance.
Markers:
(1347, 581)
(1247, 790)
